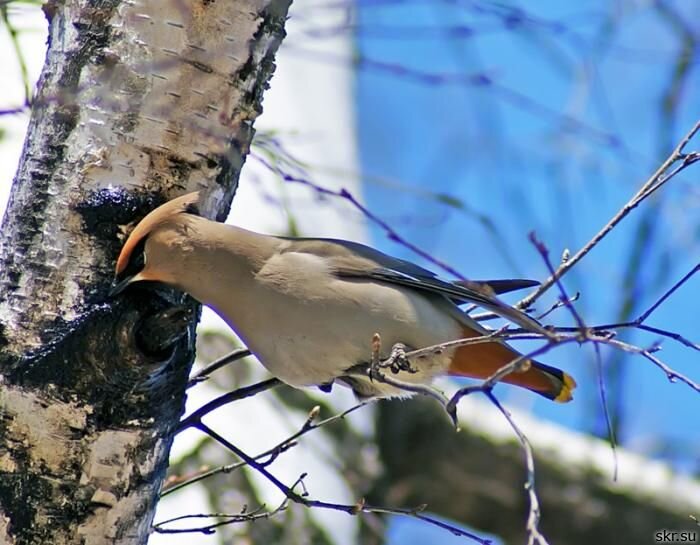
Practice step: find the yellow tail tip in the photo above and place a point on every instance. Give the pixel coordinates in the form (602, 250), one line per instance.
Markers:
(566, 393)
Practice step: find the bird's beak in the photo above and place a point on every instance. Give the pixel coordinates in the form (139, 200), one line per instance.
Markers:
(120, 286)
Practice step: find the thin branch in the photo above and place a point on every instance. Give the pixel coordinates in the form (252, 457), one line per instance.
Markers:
(244, 516)
(272, 453)
(359, 507)
(478, 79)
(610, 328)
(563, 297)
(672, 375)
(558, 304)
(658, 179)
(230, 397)
(639, 322)
(174, 484)
(668, 294)
(584, 330)
(533, 518)
(14, 111)
(504, 333)
(670, 334)
(415, 388)
(345, 194)
(204, 373)
(604, 404)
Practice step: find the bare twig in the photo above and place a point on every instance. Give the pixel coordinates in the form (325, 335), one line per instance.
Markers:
(533, 518)
(584, 332)
(563, 296)
(345, 194)
(359, 507)
(230, 397)
(673, 376)
(480, 79)
(558, 304)
(204, 373)
(604, 403)
(504, 333)
(244, 516)
(609, 328)
(663, 174)
(271, 453)
(670, 334)
(175, 483)
(667, 294)
(416, 388)
(639, 322)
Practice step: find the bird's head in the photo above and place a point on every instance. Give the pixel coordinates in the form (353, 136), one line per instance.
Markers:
(140, 258)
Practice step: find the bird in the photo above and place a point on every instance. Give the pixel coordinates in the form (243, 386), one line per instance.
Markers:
(310, 309)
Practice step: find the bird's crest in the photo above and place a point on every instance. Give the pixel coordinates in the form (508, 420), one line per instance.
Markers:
(186, 203)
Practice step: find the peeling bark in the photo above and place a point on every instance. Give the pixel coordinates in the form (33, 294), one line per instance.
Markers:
(138, 101)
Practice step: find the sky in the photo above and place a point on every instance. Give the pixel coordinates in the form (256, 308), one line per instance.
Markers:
(466, 125)
(565, 130)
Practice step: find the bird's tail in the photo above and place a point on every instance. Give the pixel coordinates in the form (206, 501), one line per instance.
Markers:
(483, 360)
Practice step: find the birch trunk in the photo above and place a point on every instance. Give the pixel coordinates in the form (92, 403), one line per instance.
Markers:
(138, 101)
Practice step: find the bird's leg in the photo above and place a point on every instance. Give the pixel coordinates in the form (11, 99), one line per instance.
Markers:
(375, 362)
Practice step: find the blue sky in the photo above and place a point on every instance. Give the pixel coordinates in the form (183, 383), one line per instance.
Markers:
(569, 127)
(547, 121)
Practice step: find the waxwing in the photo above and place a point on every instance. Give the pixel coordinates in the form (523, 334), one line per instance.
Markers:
(309, 308)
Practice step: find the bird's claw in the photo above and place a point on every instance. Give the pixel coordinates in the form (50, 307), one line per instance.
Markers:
(397, 360)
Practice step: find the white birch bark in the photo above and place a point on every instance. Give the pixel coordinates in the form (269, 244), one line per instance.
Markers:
(138, 101)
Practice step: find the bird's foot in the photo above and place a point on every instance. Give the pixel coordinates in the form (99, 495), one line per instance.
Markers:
(397, 360)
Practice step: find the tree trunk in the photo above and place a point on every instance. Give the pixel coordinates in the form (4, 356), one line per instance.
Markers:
(137, 102)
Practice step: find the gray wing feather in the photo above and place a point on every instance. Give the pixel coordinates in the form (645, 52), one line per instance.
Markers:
(355, 260)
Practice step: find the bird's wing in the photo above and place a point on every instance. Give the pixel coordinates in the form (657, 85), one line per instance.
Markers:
(353, 260)
(498, 286)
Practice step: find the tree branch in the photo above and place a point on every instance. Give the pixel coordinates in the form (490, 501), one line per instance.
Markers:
(664, 174)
